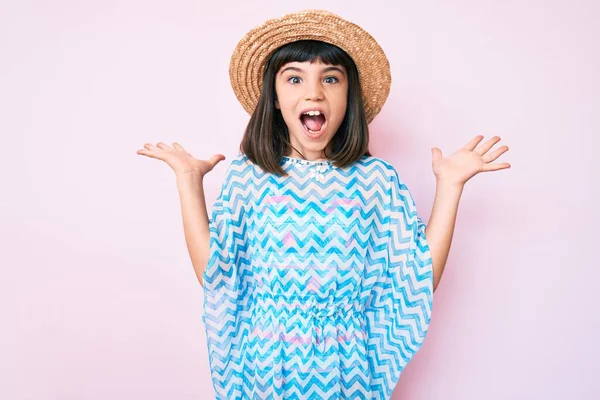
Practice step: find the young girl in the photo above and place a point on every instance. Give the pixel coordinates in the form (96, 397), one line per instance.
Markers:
(318, 273)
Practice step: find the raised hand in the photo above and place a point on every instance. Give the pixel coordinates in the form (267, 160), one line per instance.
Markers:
(467, 161)
(179, 159)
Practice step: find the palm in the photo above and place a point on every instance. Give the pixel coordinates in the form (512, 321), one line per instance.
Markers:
(468, 161)
(179, 159)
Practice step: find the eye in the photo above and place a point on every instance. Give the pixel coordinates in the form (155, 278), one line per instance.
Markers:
(292, 77)
(332, 77)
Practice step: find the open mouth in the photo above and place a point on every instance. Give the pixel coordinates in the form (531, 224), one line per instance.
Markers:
(314, 122)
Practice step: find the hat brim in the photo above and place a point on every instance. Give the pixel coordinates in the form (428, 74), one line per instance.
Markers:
(247, 63)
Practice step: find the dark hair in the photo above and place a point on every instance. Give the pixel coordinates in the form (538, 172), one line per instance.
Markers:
(266, 139)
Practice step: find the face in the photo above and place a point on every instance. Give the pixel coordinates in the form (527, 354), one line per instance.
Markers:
(318, 89)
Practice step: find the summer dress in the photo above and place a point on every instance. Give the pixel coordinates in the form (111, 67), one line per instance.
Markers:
(319, 284)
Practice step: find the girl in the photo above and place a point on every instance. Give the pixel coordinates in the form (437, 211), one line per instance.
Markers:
(318, 273)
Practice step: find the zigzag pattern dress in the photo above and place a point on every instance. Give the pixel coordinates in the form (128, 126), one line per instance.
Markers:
(319, 284)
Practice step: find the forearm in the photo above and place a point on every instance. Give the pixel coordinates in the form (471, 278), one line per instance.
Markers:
(195, 220)
(440, 228)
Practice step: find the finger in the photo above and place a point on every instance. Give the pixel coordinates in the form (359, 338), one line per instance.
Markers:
(484, 148)
(179, 147)
(163, 146)
(155, 149)
(473, 143)
(214, 160)
(148, 153)
(494, 154)
(436, 154)
(495, 167)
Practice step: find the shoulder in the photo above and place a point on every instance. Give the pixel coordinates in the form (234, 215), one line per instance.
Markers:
(240, 176)
(239, 162)
(237, 167)
(374, 165)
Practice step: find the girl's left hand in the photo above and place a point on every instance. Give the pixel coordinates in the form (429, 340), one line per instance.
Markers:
(468, 161)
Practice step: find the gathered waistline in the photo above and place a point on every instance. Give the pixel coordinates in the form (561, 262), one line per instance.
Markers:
(285, 309)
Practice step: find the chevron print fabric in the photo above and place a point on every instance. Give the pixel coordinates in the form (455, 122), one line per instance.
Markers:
(319, 284)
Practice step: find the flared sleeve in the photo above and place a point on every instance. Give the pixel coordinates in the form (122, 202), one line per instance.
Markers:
(226, 289)
(409, 257)
(401, 302)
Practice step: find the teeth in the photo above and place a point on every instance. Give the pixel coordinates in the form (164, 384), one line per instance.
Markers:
(312, 113)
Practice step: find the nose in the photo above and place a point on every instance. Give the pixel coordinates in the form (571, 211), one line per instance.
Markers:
(314, 91)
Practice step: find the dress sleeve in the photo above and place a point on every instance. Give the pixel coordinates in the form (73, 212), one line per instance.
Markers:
(408, 251)
(226, 290)
(400, 306)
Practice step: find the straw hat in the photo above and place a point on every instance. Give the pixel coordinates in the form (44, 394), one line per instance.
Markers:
(246, 67)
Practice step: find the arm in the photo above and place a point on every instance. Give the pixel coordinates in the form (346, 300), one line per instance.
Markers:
(440, 228)
(195, 220)
(189, 173)
(451, 175)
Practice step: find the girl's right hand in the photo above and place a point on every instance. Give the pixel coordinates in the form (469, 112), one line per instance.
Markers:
(179, 159)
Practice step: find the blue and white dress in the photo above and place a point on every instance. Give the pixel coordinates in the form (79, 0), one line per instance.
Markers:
(319, 284)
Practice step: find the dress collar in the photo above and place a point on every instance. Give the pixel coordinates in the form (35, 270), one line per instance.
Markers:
(317, 167)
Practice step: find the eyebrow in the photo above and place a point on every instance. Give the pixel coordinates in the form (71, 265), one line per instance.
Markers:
(332, 68)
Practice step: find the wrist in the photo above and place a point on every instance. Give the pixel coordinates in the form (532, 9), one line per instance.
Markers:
(443, 183)
(193, 176)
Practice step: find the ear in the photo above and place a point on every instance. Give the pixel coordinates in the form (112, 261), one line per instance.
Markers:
(277, 106)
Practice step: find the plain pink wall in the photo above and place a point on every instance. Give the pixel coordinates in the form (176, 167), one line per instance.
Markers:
(98, 298)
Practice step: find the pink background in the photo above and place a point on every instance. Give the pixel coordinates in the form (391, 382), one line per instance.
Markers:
(98, 298)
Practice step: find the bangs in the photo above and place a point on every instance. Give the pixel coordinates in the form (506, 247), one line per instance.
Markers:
(309, 50)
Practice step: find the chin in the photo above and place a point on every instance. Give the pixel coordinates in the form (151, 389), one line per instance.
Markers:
(312, 143)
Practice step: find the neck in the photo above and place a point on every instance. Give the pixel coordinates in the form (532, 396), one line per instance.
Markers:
(309, 155)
